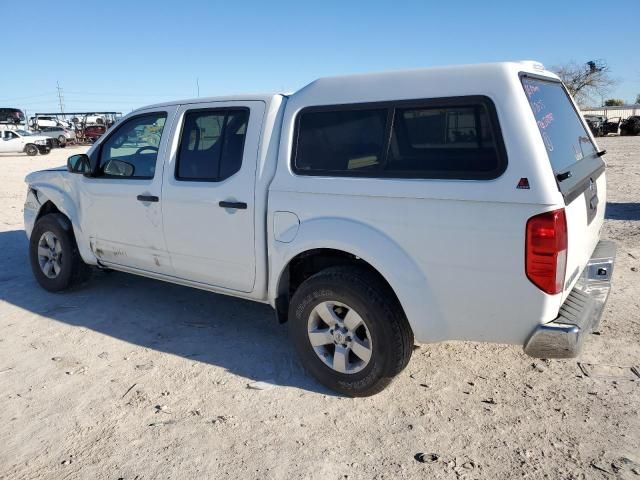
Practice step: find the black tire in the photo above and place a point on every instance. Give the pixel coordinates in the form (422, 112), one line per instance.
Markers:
(364, 292)
(62, 141)
(31, 150)
(73, 270)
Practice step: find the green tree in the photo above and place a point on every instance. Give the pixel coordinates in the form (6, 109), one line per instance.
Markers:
(638, 98)
(613, 102)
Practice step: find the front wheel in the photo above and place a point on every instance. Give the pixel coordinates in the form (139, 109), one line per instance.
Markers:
(350, 331)
(55, 260)
(31, 150)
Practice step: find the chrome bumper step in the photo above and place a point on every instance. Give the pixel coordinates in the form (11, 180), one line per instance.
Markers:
(581, 311)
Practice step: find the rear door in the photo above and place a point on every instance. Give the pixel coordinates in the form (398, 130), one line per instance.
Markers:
(577, 166)
(208, 194)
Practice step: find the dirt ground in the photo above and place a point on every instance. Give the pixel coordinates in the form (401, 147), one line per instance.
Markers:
(132, 378)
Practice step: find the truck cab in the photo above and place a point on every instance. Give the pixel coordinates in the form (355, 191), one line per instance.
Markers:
(370, 211)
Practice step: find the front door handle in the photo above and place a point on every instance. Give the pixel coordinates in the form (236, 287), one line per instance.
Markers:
(148, 198)
(236, 205)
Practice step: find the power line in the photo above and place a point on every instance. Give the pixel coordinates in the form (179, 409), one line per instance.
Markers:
(113, 94)
(27, 97)
(85, 97)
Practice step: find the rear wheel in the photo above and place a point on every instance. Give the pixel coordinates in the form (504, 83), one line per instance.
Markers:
(55, 260)
(62, 141)
(350, 331)
(31, 150)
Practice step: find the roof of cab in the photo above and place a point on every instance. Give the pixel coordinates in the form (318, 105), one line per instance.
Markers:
(261, 97)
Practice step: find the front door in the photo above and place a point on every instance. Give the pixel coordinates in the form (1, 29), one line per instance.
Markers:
(120, 206)
(208, 193)
(10, 142)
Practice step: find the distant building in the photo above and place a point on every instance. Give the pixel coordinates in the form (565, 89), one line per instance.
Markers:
(622, 111)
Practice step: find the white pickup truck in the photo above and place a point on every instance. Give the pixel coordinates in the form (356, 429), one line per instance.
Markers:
(19, 141)
(370, 211)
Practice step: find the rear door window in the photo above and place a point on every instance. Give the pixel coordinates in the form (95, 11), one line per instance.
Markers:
(212, 144)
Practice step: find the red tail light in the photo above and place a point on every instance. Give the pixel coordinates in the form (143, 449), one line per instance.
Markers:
(546, 251)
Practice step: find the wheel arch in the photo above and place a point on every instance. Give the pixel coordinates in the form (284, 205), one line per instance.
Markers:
(309, 262)
(54, 200)
(333, 241)
(47, 208)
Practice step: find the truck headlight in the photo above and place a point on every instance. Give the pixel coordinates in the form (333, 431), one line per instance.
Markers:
(41, 142)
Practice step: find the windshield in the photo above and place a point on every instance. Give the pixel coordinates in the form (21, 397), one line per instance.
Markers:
(562, 131)
(24, 133)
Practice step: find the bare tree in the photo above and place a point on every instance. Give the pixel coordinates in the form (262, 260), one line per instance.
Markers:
(586, 81)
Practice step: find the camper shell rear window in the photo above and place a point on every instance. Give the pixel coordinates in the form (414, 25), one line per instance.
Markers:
(572, 154)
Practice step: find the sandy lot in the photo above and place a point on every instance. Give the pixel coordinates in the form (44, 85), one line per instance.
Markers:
(136, 379)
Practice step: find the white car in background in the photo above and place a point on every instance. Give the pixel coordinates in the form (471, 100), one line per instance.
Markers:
(18, 141)
(42, 122)
(61, 134)
(94, 120)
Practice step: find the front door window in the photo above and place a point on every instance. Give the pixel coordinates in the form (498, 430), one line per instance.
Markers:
(132, 151)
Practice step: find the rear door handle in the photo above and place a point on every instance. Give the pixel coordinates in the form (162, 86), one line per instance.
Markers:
(236, 205)
(148, 198)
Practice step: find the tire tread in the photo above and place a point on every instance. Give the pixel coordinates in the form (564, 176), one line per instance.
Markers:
(376, 294)
(80, 271)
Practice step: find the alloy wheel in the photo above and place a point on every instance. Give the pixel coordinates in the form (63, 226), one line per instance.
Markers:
(50, 255)
(340, 337)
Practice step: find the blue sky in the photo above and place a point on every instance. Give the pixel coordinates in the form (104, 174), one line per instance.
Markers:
(119, 55)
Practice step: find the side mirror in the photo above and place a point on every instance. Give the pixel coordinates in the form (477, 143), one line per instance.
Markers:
(79, 163)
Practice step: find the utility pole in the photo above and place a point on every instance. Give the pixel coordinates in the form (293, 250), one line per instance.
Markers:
(60, 98)
(198, 86)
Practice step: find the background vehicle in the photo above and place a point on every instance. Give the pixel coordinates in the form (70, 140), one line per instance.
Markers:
(611, 125)
(61, 135)
(93, 132)
(12, 116)
(454, 203)
(630, 126)
(17, 141)
(94, 119)
(595, 123)
(43, 122)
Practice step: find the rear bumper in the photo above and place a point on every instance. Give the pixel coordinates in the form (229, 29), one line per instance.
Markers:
(580, 313)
